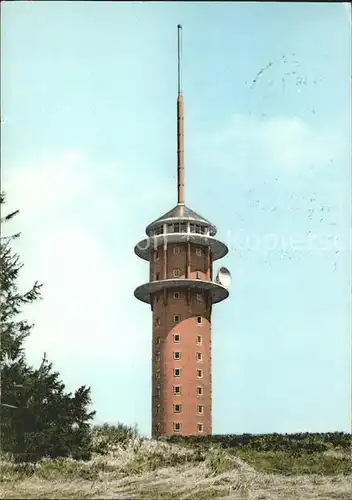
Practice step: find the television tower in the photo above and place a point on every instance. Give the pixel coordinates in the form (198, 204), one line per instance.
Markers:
(181, 248)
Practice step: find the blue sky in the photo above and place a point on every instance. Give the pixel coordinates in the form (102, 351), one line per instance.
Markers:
(89, 156)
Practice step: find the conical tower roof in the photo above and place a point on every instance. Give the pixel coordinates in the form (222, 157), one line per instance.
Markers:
(181, 213)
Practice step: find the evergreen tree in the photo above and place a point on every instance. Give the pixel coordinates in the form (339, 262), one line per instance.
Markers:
(38, 418)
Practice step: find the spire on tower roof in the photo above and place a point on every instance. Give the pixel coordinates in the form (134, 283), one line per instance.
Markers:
(180, 132)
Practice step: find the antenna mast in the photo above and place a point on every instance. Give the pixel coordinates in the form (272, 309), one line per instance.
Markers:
(180, 133)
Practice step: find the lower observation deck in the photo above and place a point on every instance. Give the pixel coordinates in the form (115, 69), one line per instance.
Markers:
(218, 293)
(143, 248)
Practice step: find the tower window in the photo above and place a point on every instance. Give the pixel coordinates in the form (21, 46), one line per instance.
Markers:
(198, 230)
(199, 339)
(176, 295)
(176, 318)
(192, 228)
(157, 340)
(176, 228)
(157, 321)
(177, 427)
(200, 373)
(177, 338)
(177, 389)
(177, 408)
(198, 275)
(176, 273)
(176, 250)
(200, 409)
(198, 252)
(157, 410)
(202, 229)
(157, 374)
(177, 372)
(157, 277)
(200, 391)
(199, 297)
(199, 356)
(157, 355)
(183, 227)
(159, 230)
(200, 427)
(177, 355)
(157, 392)
(199, 320)
(170, 228)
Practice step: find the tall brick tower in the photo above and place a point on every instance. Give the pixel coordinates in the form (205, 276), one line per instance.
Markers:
(181, 248)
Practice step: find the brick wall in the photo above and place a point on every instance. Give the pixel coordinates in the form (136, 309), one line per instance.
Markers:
(189, 305)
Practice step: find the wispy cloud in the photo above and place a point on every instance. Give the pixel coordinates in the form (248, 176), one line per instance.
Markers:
(248, 143)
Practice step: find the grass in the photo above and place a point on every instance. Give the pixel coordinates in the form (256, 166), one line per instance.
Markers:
(150, 470)
(155, 494)
(218, 462)
(285, 463)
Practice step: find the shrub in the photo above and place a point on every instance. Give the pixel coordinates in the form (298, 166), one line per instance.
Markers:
(105, 437)
(291, 443)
